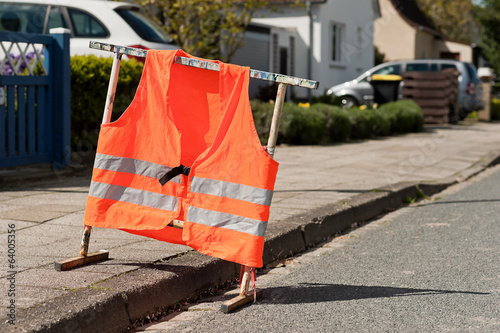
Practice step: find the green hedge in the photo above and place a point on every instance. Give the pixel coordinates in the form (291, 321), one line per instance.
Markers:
(89, 86)
(337, 122)
(405, 116)
(324, 123)
(495, 109)
(318, 124)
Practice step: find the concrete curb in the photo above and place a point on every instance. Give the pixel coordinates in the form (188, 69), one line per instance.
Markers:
(120, 301)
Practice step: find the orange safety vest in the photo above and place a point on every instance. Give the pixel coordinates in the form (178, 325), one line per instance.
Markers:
(191, 130)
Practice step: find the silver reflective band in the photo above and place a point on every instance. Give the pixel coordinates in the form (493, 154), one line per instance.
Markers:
(134, 196)
(130, 165)
(221, 188)
(227, 221)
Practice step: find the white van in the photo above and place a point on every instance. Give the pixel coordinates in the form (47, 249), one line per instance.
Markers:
(359, 91)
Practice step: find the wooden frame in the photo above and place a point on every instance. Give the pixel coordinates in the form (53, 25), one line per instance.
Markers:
(283, 80)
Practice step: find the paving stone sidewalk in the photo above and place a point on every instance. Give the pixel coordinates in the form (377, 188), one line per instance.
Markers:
(47, 219)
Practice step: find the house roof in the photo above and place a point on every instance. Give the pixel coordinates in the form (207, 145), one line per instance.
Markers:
(412, 14)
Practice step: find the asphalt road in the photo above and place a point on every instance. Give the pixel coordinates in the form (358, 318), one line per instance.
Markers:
(430, 267)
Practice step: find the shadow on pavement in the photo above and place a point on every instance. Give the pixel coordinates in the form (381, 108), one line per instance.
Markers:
(317, 292)
(443, 202)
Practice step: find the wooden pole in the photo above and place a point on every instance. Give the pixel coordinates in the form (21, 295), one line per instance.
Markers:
(85, 258)
(245, 282)
(244, 297)
(106, 118)
(110, 96)
(275, 122)
(85, 241)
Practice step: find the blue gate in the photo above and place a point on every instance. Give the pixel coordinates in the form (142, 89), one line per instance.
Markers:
(34, 99)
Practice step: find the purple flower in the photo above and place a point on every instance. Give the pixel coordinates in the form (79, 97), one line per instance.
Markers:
(23, 65)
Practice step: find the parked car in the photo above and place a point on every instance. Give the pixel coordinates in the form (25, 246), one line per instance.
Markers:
(360, 91)
(111, 22)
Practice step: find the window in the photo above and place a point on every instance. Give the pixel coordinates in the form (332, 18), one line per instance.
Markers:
(445, 66)
(55, 19)
(22, 18)
(283, 60)
(449, 55)
(471, 70)
(417, 67)
(275, 53)
(29, 18)
(336, 40)
(146, 29)
(392, 69)
(292, 55)
(386, 70)
(85, 25)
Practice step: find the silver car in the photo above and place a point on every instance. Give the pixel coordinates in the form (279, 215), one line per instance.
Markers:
(359, 91)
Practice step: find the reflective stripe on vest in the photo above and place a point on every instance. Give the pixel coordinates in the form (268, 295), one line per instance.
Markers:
(134, 196)
(228, 221)
(130, 165)
(214, 187)
(221, 188)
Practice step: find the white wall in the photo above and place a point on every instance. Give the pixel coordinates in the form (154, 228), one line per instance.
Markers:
(356, 17)
(284, 20)
(357, 53)
(254, 54)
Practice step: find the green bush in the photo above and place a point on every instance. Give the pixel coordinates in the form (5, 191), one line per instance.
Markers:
(495, 109)
(324, 123)
(302, 125)
(363, 123)
(338, 124)
(385, 121)
(405, 116)
(89, 86)
(262, 116)
(495, 89)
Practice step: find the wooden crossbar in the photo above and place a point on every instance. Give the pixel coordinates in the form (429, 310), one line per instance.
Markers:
(283, 80)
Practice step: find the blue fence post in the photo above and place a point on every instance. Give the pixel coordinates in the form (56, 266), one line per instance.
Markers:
(60, 72)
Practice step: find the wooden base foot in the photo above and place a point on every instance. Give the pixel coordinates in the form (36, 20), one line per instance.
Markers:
(238, 301)
(67, 264)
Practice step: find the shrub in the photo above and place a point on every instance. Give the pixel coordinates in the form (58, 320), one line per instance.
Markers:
(89, 86)
(385, 120)
(262, 117)
(413, 112)
(298, 125)
(302, 125)
(405, 116)
(323, 123)
(495, 109)
(338, 124)
(363, 123)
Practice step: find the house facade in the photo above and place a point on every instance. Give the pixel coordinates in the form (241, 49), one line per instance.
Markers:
(330, 41)
(402, 32)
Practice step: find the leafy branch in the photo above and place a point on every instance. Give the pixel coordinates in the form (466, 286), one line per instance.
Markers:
(207, 29)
